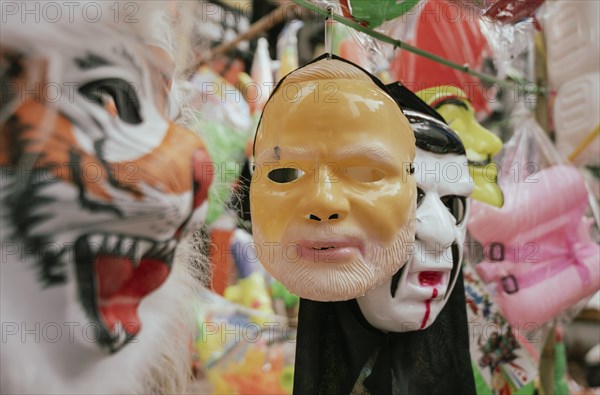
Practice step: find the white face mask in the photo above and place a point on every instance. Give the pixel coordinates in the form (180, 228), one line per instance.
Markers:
(413, 298)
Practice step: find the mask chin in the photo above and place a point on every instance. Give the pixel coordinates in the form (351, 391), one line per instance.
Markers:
(433, 307)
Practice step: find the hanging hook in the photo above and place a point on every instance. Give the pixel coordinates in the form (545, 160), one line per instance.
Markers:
(329, 32)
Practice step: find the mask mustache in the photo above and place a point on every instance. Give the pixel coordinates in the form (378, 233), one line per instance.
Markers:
(323, 232)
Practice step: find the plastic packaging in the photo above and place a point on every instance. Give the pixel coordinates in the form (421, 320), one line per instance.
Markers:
(572, 29)
(287, 48)
(577, 119)
(222, 116)
(502, 11)
(503, 356)
(539, 251)
(262, 74)
(440, 27)
(506, 41)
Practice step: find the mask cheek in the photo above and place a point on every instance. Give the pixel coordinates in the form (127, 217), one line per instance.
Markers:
(271, 211)
(373, 215)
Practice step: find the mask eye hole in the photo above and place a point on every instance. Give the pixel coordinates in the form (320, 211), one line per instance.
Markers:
(456, 205)
(115, 93)
(420, 196)
(284, 175)
(363, 173)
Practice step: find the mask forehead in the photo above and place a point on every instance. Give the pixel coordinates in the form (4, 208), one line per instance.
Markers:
(333, 113)
(442, 174)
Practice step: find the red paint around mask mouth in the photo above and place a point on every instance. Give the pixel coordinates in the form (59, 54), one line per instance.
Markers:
(121, 287)
(428, 308)
(430, 278)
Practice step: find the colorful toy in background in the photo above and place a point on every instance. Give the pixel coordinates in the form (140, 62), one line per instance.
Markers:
(440, 27)
(290, 301)
(274, 377)
(328, 171)
(481, 144)
(287, 48)
(250, 291)
(561, 385)
(255, 288)
(112, 187)
(262, 75)
(225, 124)
(571, 32)
(244, 253)
(538, 243)
(502, 366)
(416, 294)
(545, 255)
(241, 355)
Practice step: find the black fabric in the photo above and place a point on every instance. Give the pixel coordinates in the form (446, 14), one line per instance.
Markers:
(335, 343)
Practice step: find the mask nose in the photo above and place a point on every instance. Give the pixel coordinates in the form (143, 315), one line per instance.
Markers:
(484, 141)
(318, 219)
(435, 225)
(328, 201)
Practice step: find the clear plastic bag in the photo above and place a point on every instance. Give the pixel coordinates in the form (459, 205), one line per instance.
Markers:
(504, 11)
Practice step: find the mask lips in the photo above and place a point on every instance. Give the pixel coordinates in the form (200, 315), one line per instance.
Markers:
(453, 272)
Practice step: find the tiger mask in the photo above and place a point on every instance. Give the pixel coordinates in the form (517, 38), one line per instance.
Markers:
(97, 185)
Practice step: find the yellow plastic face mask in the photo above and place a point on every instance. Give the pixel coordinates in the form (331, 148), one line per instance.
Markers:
(481, 144)
(332, 195)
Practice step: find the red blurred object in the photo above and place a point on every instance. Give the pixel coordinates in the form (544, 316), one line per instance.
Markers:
(449, 31)
(512, 11)
(221, 259)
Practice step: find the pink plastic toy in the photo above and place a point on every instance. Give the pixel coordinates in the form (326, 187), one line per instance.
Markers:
(538, 247)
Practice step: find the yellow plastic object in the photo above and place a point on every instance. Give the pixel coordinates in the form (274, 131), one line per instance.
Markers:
(481, 144)
(332, 194)
(251, 292)
(257, 373)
